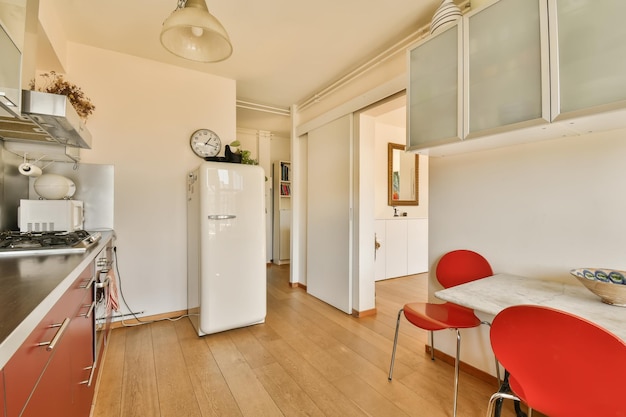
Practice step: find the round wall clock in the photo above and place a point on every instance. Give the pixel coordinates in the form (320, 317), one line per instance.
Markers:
(205, 143)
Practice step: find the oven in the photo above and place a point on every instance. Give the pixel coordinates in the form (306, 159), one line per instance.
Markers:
(102, 295)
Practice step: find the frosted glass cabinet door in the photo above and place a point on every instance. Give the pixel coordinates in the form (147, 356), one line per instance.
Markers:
(507, 69)
(588, 50)
(434, 99)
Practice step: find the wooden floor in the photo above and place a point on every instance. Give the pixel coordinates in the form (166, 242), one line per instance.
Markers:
(308, 359)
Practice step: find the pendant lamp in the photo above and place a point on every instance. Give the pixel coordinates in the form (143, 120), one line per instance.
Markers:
(447, 13)
(191, 32)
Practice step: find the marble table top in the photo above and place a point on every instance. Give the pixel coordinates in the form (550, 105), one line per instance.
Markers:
(493, 294)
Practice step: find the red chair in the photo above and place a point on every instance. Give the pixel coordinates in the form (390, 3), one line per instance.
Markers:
(454, 268)
(560, 365)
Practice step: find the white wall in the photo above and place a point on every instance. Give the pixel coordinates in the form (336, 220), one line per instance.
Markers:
(280, 149)
(258, 143)
(535, 210)
(145, 113)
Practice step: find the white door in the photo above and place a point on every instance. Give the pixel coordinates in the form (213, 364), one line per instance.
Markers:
(329, 214)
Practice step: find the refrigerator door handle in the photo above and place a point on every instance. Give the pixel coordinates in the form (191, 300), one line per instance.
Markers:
(222, 216)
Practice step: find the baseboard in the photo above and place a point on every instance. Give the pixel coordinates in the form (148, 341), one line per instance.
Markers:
(156, 317)
(297, 285)
(364, 313)
(355, 313)
(468, 369)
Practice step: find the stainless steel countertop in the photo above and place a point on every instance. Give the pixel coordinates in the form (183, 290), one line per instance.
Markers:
(30, 286)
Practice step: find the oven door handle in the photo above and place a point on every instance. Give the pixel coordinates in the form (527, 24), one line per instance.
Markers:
(104, 283)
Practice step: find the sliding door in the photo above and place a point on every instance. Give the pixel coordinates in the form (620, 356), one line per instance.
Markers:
(329, 213)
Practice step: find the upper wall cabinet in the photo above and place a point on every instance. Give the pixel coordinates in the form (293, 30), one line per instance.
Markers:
(10, 75)
(531, 70)
(434, 92)
(506, 60)
(588, 56)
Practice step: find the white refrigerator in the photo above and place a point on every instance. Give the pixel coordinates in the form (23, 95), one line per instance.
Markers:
(226, 271)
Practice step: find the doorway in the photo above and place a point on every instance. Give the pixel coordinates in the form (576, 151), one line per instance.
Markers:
(400, 231)
(357, 253)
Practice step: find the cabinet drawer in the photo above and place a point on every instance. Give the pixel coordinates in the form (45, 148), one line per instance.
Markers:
(27, 364)
(2, 391)
(82, 366)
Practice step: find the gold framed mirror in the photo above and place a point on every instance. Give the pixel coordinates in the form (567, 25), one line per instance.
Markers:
(402, 176)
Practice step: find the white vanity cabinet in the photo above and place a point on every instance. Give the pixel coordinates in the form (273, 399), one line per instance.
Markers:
(396, 256)
(434, 96)
(506, 60)
(417, 246)
(588, 56)
(403, 247)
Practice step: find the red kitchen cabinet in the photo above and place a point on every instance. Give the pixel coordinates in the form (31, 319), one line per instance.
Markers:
(2, 414)
(40, 378)
(81, 334)
(52, 394)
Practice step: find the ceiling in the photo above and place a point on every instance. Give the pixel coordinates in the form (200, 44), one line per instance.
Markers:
(284, 51)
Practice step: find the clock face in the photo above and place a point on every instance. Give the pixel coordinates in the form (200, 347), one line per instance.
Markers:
(205, 142)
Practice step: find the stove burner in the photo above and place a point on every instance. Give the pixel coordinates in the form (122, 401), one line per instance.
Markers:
(33, 240)
(33, 243)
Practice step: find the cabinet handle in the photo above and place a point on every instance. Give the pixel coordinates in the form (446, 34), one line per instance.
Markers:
(89, 380)
(62, 327)
(91, 307)
(88, 284)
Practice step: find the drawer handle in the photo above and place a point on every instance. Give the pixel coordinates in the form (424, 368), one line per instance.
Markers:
(89, 381)
(88, 284)
(62, 327)
(91, 308)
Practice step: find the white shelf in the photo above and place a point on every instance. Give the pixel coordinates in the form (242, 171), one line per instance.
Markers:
(282, 213)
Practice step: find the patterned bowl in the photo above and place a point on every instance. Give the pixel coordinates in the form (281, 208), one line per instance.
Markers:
(608, 284)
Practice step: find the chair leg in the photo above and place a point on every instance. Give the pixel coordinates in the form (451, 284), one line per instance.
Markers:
(496, 359)
(395, 344)
(498, 372)
(499, 396)
(432, 345)
(456, 370)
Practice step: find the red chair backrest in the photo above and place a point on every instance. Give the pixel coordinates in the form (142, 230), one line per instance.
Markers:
(565, 365)
(461, 266)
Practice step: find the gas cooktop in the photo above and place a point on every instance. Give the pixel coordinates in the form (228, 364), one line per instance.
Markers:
(46, 243)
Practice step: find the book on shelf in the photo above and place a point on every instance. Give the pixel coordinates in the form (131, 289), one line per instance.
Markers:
(284, 175)
(285, 189)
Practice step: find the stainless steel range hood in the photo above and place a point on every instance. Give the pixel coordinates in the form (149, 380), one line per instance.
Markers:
(48, 118)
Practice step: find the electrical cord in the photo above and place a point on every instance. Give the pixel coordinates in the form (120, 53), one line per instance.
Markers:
(139, 321)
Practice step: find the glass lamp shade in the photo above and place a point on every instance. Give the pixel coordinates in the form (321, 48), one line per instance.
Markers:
(447, 13)
(195, 34)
